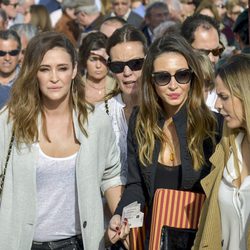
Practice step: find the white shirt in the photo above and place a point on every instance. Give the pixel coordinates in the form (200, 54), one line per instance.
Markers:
(211, 99)
(234, 205)
(119, 123)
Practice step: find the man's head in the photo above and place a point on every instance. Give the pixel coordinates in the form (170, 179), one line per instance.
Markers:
(111, 24)
(10, 47)
(202, 32)
(10, 7)
(156, 13)
(86, 12)
(121, 7)
(241, 29)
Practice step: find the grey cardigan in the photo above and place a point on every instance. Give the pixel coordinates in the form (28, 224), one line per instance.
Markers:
(98, 168)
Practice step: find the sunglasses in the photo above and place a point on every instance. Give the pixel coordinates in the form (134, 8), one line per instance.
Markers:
(221, 6)
(215, 52)
(118, 67)
(14, 52)
(182, 76)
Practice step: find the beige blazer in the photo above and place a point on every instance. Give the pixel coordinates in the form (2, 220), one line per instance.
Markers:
(209, 235)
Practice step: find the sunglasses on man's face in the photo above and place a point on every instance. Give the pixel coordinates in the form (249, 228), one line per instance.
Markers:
(14, 52)
(118, 67)
(220, 5)
(182, 76)
(215, 52)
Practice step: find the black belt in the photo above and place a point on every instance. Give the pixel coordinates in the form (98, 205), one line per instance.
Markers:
(58, 244)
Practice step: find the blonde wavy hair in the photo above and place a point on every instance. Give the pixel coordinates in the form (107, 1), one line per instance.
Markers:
(235, 75)
(25, 103)
(201, 122)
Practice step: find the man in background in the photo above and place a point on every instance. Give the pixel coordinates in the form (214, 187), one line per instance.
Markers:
(10, 48)
(202, 32)
(122, 8)
(156, 13)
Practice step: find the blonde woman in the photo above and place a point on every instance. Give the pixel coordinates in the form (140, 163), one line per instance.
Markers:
(224, 222)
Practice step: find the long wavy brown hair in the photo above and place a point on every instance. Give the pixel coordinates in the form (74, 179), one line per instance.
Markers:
(201, 123)
(26, 105)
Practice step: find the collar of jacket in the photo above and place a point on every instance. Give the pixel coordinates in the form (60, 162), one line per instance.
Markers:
(189, 175)
(78, 133)
(218, 164)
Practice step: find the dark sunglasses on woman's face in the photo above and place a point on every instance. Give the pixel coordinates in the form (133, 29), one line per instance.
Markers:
(182, 76)
(118, 67)
(14, 52)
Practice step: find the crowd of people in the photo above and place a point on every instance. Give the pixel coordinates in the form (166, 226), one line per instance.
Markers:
(104, 104)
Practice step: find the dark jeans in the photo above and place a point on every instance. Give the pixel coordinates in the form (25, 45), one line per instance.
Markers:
(73, 243)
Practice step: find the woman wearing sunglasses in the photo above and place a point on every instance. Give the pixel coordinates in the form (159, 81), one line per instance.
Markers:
(224, 220)
(170, 137)
(126, 49)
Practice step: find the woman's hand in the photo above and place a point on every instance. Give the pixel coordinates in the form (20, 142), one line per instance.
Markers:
(101, 53)
(118, 230)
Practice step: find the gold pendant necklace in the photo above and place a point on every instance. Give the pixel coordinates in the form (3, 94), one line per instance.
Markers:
(170, 143)
(171, 158)
(99, 90)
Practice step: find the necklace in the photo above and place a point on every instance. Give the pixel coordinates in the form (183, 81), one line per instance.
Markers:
(99, 90)
(169, 142)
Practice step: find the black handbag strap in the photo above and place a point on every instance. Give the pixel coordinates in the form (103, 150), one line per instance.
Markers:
(6, 163)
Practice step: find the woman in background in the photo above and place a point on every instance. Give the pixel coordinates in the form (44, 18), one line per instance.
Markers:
(93, 66)
(38, 16)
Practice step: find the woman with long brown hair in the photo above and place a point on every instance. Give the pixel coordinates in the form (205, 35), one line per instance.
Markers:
(170, 136)
(62, 154)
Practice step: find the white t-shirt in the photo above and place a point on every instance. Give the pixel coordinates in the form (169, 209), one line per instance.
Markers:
(57, 203)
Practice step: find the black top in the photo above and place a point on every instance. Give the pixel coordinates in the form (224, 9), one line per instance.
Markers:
(141, 179)
(167, 177)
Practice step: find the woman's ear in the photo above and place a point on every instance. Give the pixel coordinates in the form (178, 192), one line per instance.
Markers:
(74, 71)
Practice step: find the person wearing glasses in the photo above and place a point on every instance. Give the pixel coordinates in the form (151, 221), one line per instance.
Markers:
(203, 33)
(126, 48)
(10, 48)
(171, 134)
(62, 155)
(224, 222)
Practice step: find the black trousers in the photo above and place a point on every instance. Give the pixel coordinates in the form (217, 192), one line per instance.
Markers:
(73, 243)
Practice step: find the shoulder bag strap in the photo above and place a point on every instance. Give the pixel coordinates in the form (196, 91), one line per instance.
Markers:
(6, 163)
(106, 107)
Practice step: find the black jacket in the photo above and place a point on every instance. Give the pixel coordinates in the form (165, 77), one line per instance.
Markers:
(141, 179)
